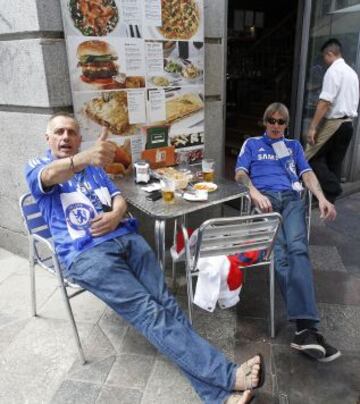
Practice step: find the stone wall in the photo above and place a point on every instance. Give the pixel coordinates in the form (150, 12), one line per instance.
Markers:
(34, 84)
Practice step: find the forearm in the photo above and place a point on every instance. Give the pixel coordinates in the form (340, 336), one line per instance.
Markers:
(322, 108)
(313, 184)
(119, 206)
(243, 178)
(61, 170)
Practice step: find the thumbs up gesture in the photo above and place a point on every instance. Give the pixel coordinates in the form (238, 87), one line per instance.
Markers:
(103, 152)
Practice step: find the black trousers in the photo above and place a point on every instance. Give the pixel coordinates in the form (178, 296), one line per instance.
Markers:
(327, 162)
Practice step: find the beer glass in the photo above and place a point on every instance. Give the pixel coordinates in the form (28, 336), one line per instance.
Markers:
(208, 170)
(167, 190)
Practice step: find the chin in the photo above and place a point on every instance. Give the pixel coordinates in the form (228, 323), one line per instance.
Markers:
(64, 153)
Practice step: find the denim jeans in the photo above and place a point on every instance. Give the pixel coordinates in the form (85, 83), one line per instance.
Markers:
(292, 263)
(125, 274)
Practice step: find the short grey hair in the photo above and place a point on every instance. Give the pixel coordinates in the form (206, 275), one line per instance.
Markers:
(276, 107)
(63, 114)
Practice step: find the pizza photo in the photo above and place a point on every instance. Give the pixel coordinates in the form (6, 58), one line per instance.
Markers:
(110, 109)
(94, 17)
(180, 19)
(182, 106)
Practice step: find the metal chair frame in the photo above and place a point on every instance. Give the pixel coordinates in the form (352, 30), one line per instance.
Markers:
(42, 253)
(226, 236)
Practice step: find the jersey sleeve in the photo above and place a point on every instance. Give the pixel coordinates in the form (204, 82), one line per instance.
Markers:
(33, 170)
(244, 158)
(330, 87)
(302, 164)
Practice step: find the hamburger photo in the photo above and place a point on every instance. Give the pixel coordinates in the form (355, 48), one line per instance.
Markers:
(97, 61)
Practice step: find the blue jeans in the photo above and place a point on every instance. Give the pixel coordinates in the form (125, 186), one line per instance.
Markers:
(292, 263)
(125, 274)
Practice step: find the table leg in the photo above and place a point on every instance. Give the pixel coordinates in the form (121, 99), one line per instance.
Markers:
(159, 233)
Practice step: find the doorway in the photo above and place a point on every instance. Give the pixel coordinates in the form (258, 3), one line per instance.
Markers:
(260, 65)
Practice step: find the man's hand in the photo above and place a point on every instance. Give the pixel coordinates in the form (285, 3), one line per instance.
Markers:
(104, 223)
(311, 136)
(260, 201)
(327, 210)
(103, 151)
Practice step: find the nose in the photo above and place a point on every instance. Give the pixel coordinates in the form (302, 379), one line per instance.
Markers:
(66, 134)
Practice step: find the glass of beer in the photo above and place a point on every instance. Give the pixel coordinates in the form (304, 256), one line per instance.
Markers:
(208, 170)
(168, 190)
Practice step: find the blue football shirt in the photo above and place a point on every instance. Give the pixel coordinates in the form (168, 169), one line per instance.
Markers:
(68, 210)
(258, 159)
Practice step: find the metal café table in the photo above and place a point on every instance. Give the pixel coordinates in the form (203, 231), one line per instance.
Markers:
(162, 211)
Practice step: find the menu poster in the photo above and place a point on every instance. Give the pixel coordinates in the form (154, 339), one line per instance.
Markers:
(135, 64)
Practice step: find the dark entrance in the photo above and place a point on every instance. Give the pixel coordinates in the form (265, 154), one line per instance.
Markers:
(260, 63)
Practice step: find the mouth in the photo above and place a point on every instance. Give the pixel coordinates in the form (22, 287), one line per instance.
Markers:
(65, 148)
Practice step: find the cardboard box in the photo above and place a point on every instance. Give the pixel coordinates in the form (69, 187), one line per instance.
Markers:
(159, 157)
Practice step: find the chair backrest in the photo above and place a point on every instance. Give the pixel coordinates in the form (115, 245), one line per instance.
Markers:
(226, 236)
(33, 220)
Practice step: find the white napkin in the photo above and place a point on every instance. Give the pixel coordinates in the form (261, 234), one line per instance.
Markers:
(198, 195)
(155, 186)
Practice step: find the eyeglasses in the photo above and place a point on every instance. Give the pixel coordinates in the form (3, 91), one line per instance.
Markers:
(273, 121)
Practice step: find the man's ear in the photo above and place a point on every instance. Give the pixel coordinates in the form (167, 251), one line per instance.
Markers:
(47, 137)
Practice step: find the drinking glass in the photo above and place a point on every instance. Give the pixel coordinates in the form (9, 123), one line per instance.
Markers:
(208, 169)
(167, 190)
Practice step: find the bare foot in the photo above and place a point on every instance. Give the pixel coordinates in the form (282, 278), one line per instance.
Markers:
(243, 398)
(247, 375)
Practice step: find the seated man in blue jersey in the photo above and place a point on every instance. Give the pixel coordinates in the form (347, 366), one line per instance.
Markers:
(271, 167)
(101, 251)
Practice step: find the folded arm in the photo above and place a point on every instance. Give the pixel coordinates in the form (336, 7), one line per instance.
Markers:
(109, 221)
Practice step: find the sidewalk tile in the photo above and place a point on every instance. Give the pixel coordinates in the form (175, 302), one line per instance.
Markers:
(130, 371)
(167, 384)
(74, 392)
(305, 380)
(113, 395)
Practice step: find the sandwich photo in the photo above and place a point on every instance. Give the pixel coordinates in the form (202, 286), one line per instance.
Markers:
(97, 62)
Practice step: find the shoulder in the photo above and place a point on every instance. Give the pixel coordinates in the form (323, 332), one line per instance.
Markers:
(38, 161)
(293, 144)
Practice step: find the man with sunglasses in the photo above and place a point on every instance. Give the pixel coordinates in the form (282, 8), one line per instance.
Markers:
(331, 128)
(271, 167)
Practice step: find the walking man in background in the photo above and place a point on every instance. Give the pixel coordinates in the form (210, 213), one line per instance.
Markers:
(329, 138)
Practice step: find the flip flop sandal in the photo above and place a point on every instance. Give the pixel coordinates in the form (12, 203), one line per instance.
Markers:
(234, 398)
(246, 368)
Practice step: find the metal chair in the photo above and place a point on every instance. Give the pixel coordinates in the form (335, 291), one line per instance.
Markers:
(226, 236)
(42, 253)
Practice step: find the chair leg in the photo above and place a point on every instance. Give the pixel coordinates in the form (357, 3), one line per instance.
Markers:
(189, 293)
(32, 280)
(173, 263)
(272, 297)
(73, 324)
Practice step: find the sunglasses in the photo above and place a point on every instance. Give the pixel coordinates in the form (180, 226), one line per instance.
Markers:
(273, 121)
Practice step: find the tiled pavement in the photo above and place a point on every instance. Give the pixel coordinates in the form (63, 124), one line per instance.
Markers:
(38, 362)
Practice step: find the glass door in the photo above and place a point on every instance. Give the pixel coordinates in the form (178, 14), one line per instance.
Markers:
(332, 19)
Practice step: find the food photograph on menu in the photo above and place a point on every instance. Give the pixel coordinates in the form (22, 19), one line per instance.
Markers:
(137, 64)
(106, 64)
(182, 64)
(177, 20)
(94, 17)
(100, 18)
(109, 109)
